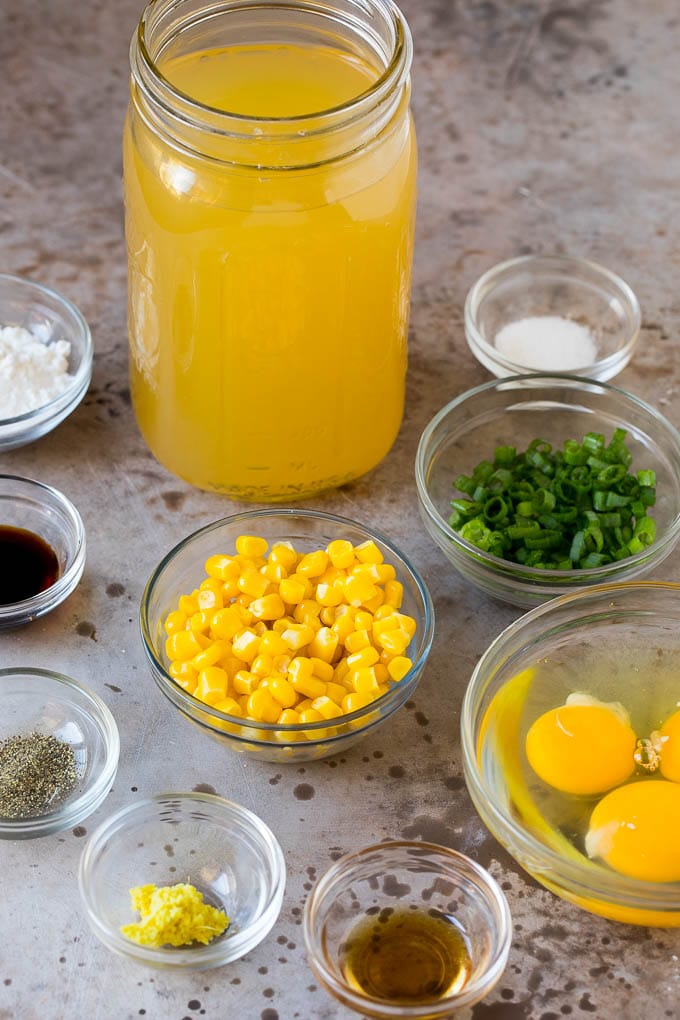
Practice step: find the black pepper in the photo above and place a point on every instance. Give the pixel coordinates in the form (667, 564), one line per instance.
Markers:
(36, 771)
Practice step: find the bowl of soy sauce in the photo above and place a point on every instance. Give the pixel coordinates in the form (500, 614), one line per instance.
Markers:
(42, 549)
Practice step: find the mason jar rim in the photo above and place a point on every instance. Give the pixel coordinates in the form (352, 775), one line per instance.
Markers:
(147, 75)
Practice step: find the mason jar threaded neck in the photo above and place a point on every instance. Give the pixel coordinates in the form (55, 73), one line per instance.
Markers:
(374, 31)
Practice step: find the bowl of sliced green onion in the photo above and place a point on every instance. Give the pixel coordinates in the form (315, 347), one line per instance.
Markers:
(536, 485)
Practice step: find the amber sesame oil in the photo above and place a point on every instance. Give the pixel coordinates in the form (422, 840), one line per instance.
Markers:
(406, 957)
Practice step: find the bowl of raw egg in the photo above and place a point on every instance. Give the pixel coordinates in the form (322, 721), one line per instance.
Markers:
(286, 635)
(537, 485)
(571, 743)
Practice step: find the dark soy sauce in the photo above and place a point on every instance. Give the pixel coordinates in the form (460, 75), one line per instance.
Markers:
(28, 565)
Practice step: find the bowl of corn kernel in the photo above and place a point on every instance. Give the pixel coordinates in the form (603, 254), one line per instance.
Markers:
(286, 635)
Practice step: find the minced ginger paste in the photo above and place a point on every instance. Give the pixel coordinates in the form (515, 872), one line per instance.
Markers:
(173, 915)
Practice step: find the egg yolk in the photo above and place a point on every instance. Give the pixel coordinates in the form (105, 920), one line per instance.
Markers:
(636, 830)
(581, 748)
(669, 748)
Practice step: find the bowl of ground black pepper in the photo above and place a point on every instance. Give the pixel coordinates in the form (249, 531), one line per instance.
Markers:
(59, 749)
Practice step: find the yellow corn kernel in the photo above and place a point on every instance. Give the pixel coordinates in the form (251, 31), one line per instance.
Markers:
(341, 553)
(394, 593)
(212, 685)
(368, 552)
(353, 702)
(313, 563)
(252, 582)
(293, 590)
(269, 607)
(303, 704)
(399, 667)
(322, 670)
(222, 566)
(381, 674)
(330, 575)
(297, 636)
(280, 663)
(231, 665)
(263, 707)
(282, 691)
(327, 616)
(184, 674)
(246, 645)
(272, 643)
(363, 620)
(245, 683)
(187, 604)
(363, 658)
(310, 715)
(371, 571)
(174, 622)
(359, 590)
(306, 611)
(274, 572)
(209, 600)
(330, 594)
(226, 623)
(324, 644)
(209, 656)
(374, 604)
(341, 672)
(210, 584)
(183, 645)
(230, 588)
(394, 641)
(278, 626)
(384, 623)
(309, 686)
(357, 640)
(251, 546)
(336, 692)
(326, 708)
(407, 623)
(243, 703)
(343, 627)
(262, 664)
(364, 681)
(199, 622)
(289, 717)
(229, 706)
(284, 554)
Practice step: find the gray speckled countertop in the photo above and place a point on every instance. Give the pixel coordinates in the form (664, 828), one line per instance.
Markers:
(543, 126)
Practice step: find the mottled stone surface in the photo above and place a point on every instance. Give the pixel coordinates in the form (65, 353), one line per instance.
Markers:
(543, 126)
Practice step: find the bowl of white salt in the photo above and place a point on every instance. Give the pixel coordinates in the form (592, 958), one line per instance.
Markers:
(45, 360)
(552, 313)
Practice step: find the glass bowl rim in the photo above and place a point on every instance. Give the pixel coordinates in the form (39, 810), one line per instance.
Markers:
(67, 814)
(72, 394)
(616, 285)
(221, 950)
(589, 881)
(530, 382)
(464, 866)
(25, 609)
(186, 702)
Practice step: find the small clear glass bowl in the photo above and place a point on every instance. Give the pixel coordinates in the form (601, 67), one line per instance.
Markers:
(47, 513)
(182, 570)
(50, 317)
(410, 876)
(553, 285)
(42, 701)
(221, 848)
(615, 643)
(553, 408)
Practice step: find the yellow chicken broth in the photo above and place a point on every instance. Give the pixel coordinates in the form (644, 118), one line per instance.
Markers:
(268, 308)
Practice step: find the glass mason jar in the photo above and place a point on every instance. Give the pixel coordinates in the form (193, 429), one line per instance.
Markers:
(270, 178)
